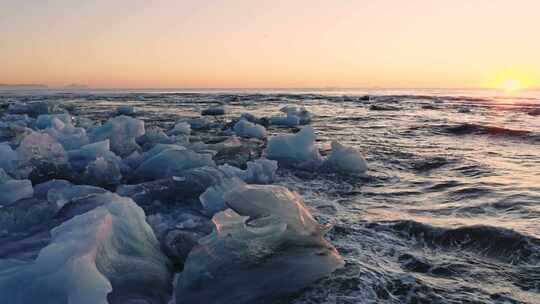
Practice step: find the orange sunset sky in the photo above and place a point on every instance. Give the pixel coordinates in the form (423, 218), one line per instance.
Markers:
(271, 44)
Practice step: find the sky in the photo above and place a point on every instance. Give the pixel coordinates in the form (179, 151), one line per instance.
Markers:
(271, 44)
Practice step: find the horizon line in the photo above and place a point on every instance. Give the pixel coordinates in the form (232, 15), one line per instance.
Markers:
(31, 86)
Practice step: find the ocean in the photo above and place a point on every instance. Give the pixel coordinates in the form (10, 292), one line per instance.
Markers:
(448, 212)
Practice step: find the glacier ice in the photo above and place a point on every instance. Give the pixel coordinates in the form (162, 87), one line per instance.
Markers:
(297, 150)
(40, 146)
(40, 156)
(34, 109)
(272, 201)
(103, 172)
(182, 187)
(60, 196)
(244, 128)
(259, 171)
(27, 217)
(152, 137)
(288, 120)
(48, 120)
(251, 118)
(181, 128)
(304, 116)
(276, 250)
(41, 190)
(107, 254)
(345, 160)
(215, 110)
(122, 132)
(212, 199)
(125, 110)
(8, 157)
(197, 123)
(171, 162)
(12, 190)
(67, 135)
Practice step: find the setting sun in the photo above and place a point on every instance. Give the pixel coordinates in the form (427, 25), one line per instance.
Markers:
(511, 85)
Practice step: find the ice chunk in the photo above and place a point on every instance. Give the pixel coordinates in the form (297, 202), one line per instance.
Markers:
(244, 128)
(80, 158)
(8, 157)
(289, 120)
(4, 176)
(20, 220)
(122, 132)
(215, 110)
(171, 162)
(260, 171)
(177, 243)
(46, 121)
(183, 187)
(181, 128)
(345, 159)
(10, 131)
(304, 116)
(61, 196)
(39, 146)
(133, 160)
(107, 254)
(197, 123)
(41, 190)
(153, 136)
(34, 109)
(14, 190)
(213, 199)
(255, 261)
(125, 110)
(251, 118)
(258, 201)
(41, 158)
(84, 122)
(66, 134)
(103, 172)
(295, 149)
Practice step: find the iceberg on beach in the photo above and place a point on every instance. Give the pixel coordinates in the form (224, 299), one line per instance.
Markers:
(244, 128)
(34, 109)
(64, 194)
(125, 110)
(152, 137)
(345, 159)
(45, 121)
(12, 190)
(289, 120)
(171, 162)
(185, 186)
(215, 110)
(297, 150)
(80, 158)
(304, 116)
(41, 157)
(269, 248)
(8, 157)
(107, 255)
(122, 132)
(103, 172)
(181, 128)
(40, 146)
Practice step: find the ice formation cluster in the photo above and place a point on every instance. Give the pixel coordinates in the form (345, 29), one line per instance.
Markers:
(109, 211)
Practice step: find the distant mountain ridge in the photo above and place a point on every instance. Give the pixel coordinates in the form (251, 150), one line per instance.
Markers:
(23, 86)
